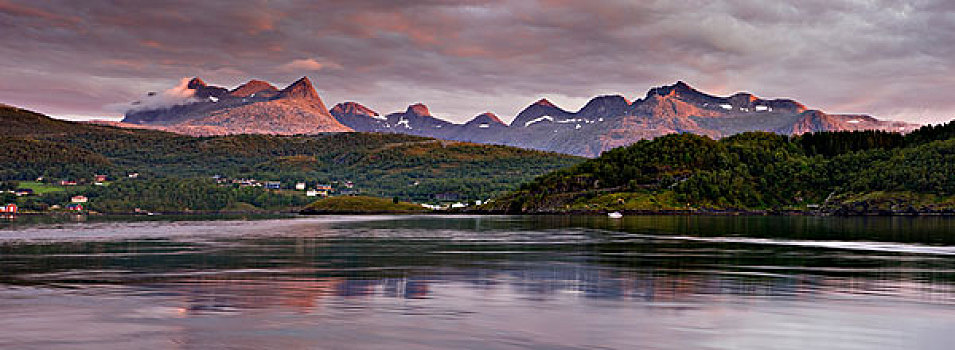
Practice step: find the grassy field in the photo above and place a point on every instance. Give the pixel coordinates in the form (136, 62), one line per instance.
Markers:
(41, 188)
(361, 204)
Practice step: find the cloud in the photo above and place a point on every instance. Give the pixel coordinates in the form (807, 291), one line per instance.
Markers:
(890, 59)
(51, 18)
(307, 64)
(178, 95)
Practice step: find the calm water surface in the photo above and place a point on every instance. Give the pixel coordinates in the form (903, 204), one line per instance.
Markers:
(460, 282)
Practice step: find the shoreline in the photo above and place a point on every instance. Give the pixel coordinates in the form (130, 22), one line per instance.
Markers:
(296, 211)
(717, 213)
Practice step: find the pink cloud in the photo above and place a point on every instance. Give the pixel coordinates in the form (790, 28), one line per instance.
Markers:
(308, 64)
(26, 11)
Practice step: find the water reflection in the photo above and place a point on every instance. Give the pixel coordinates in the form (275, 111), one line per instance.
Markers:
(580, 271)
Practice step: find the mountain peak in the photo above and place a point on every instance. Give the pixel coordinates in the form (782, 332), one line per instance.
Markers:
(203, 90)
(543, 102)
(743, 98)
(352, 108)
(604, 105)
(678, 88)
(609, 99)
(488, 118)
(254, 87)
(195, 83)
(419, 109)
(300, 89)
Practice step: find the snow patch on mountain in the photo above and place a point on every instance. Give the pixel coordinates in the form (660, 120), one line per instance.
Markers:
(538, 120)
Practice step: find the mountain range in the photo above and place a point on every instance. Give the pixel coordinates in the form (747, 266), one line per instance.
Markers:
(605, 122)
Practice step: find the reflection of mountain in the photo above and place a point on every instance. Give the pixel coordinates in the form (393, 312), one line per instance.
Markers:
(309, 266)
(433, 258)
(538, 281)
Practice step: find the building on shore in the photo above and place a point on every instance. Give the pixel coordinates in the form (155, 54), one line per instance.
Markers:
(10, 208)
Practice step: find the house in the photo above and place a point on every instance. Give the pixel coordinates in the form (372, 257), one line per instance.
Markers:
(220, 179)
(349, 184)
(132, 175)
(347, 192)
(273, 185)
(322, 190)
(432, 206)
(74, 207)
(300, 186)
(311, 193)
(23, 192)
(99, 178)
(246, 183)
(79, 199)
(9, 209)
(67, 183)
(458, 205)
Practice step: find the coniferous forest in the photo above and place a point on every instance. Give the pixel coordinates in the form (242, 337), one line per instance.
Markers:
(839, 172)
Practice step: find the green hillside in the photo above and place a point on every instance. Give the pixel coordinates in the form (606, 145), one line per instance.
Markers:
(362, 205)
(385, 165)
(840, 172)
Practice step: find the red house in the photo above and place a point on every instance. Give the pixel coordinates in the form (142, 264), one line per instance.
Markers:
(9, 209)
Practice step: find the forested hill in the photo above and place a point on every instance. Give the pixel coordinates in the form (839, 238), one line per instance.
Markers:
(839, 172)
(410, 167)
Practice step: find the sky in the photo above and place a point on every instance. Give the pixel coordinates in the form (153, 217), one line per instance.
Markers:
(87, 59)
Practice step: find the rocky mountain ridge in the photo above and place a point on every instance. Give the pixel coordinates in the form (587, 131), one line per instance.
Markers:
(255, 107)
(603, 123)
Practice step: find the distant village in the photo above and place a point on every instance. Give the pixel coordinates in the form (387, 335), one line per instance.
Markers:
(79, 202)
(345, 188)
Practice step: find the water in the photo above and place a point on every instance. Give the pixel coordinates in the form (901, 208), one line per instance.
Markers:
(460, 282)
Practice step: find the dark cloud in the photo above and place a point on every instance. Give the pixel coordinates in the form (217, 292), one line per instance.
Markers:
(891, 59)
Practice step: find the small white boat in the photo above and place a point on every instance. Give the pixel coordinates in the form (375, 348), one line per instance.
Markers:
(615, 215)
